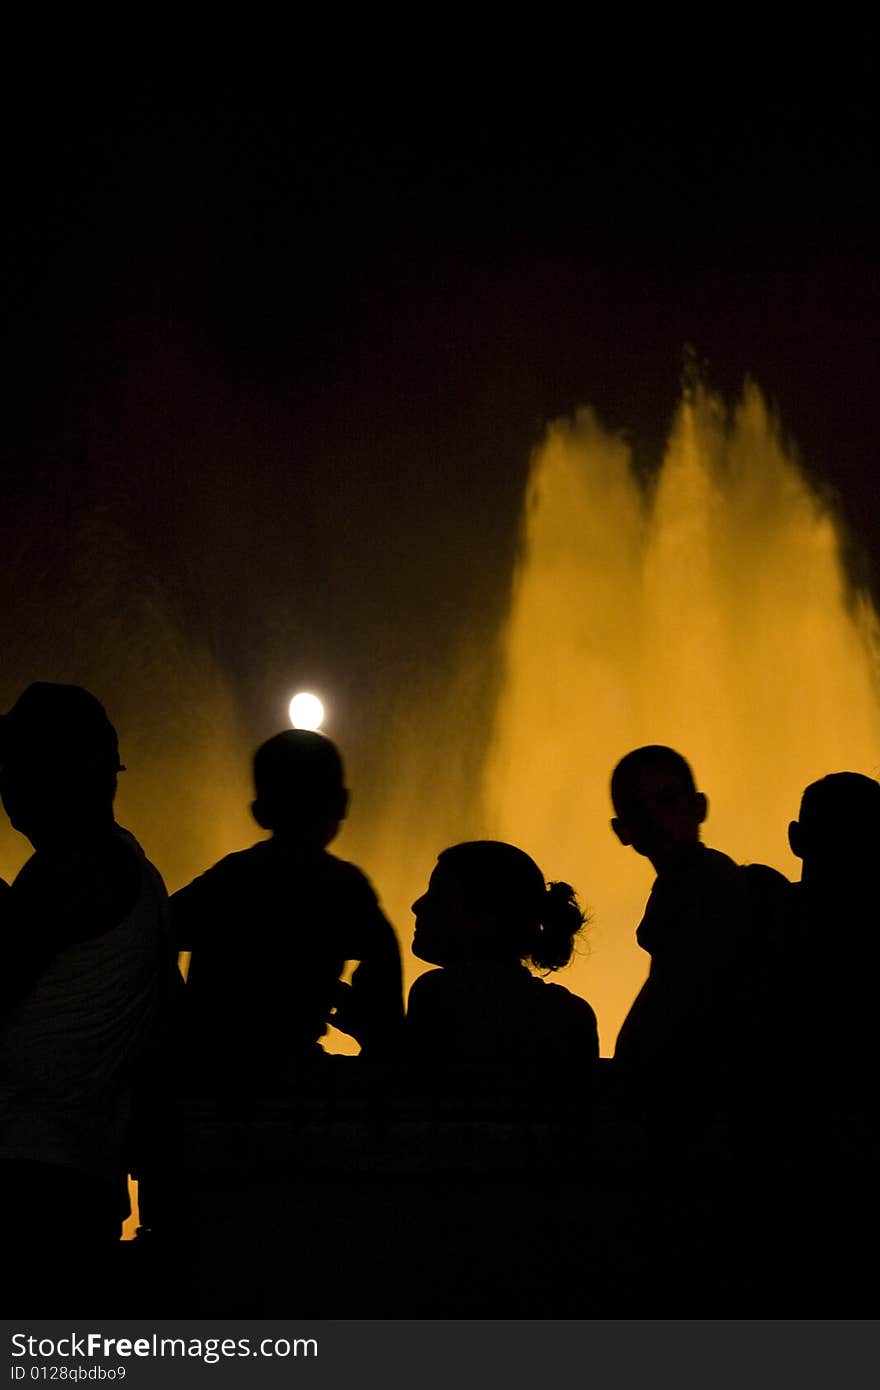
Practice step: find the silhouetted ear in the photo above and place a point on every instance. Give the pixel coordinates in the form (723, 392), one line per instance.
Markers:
(796, 839)
(344, 802)
(620, 830)
(258, 814)
(702, 806)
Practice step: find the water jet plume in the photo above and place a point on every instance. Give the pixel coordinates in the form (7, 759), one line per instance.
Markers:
(708, 609)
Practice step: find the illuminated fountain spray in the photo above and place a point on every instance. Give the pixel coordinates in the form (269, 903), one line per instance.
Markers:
(710, 612)
(99, 621)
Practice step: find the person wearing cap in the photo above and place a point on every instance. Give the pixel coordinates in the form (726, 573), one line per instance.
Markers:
(271, 928)
(86, 960)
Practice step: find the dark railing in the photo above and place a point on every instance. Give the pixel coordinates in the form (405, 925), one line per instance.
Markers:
(358, 1194)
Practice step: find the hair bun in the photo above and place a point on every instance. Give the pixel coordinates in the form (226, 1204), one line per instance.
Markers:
(561, 921)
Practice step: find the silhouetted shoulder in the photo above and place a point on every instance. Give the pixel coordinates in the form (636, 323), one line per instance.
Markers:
(91, 1010)
(580, 1018)
(86, 889)
(66, 896)
(478, 1011)
(428, 986)
(707, 904)
(276, 882)
(766, 883)
(715, 931)
(767, 898)
(428, 992)
(348, 877)
(232, 869)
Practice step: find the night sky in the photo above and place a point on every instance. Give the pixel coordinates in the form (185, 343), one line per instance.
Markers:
(273, 377)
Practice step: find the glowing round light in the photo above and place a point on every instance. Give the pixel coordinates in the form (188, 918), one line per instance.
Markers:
(306, 711)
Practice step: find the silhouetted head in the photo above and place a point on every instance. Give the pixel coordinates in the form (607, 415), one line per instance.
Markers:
(487, 900)
(59, 756)
(658, 808)
(300, 786)
(837, 834)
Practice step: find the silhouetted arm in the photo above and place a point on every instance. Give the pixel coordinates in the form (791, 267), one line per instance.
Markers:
(191, 908)
(370, 1009)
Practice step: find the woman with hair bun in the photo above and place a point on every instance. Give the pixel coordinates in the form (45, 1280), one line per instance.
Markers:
(486, 917)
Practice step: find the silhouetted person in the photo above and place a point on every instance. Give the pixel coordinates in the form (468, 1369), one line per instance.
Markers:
(271, 928)
(85, 972)
(486, 916)
(690, 1052)
(837, 835)
(501, 1063)
(833, 950)
(825, 1095)
(709, 927)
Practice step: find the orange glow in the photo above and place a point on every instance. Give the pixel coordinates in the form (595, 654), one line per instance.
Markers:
(187, 790)
(709, 612)
(712, 615)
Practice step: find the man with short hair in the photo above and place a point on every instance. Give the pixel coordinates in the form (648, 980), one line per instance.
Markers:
(690, 1051)
(833, 942)
(86, 967)
(825, 1113)
(705, 928)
